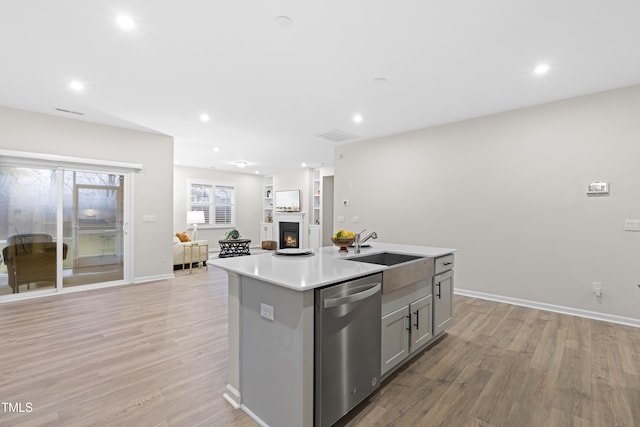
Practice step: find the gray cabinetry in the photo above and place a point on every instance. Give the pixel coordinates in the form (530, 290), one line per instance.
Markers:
(421, 329)
(395, 338)
(406, 323)
(443, 294)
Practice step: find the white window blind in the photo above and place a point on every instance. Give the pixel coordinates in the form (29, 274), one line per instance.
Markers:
(217, 201)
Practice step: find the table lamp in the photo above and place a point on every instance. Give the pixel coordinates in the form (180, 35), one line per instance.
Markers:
(195, 218)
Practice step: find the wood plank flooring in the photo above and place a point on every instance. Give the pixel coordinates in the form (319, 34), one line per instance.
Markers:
(155, 354)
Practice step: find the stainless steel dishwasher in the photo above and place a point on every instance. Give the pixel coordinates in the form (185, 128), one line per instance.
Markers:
(347, 346)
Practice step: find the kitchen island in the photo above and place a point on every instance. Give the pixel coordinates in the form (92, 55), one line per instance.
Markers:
(271, 325)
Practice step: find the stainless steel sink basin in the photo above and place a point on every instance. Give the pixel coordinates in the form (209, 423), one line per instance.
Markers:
(405, 269)
(385, 258)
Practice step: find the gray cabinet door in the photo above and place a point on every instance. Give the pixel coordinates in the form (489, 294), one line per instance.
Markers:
(442, 302)
(395, 338)
(421, 325)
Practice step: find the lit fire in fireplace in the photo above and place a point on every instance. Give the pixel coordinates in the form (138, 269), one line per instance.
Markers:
(289, 234)
(290, 241)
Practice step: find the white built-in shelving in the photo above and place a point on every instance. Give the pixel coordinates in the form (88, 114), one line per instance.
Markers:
(266, 226)
(315, 228)
(268, 196)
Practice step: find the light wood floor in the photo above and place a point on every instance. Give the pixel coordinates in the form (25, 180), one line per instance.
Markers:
(155, 354)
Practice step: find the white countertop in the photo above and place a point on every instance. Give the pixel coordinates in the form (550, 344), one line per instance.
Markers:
(324, 267)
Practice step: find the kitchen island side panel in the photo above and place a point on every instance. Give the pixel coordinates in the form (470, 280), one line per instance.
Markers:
(277, 355)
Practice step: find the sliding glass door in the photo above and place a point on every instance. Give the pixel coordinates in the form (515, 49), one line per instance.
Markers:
(28, 225)
(93, 210)
(60, 228)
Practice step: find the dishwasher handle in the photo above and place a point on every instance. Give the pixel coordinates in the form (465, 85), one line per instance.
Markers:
(359, 296)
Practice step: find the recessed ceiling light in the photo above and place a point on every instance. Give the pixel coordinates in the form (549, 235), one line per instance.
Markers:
(125, 22)
(240, 164)
(257, 172)
(357, 118)
(304, 165)
(204, 117)
(380, 80)
(76, 85)
(541, 69)
(216, 149)
(283, 22)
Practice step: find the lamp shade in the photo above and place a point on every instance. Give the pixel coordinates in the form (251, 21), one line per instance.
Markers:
(195, 217)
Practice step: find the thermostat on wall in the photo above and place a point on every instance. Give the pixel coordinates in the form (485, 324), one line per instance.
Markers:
(598, 187)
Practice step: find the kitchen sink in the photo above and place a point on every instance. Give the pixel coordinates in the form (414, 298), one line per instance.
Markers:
(404, 269)
(385, 258)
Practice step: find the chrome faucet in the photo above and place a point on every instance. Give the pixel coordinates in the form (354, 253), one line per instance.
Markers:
(360, 240)
(372, 235)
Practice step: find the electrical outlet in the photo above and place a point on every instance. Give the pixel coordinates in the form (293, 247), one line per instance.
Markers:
(266, 311)
(345, 202)
(597, 289)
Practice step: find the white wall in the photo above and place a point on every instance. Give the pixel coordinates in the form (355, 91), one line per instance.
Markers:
(508, 190)
(248, 203)
(33, 132)
(296, 179)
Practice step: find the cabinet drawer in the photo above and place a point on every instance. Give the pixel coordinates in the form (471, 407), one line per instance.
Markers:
(444, 263)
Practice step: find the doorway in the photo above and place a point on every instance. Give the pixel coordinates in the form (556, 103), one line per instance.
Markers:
(60, 227)
(327, 210)
(93, 210)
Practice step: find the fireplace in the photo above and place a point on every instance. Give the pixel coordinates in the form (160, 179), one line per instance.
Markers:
(289, 234)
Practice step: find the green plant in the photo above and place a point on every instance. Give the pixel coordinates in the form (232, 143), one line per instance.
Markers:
(233, 234)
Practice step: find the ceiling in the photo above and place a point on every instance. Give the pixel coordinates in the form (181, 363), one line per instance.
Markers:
(270, 91)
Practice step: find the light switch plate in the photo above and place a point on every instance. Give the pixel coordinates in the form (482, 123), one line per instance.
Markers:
(598, 187)
(632, 224)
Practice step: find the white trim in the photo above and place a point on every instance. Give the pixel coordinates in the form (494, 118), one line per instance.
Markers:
(60, 230)
(12, 156)
(232, 396)
(146, 279)
(128, 246)
(253, 416)
(552, 307)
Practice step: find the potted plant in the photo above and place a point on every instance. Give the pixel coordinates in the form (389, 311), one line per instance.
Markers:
(233, 235)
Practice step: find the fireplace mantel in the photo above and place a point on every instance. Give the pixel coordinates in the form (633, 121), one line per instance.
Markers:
(290, 217)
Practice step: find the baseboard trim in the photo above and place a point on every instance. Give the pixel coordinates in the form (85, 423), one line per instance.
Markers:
(253, 416)
(145, 279)
(552, 307)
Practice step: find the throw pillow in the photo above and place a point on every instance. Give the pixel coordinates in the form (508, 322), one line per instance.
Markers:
(184, 237)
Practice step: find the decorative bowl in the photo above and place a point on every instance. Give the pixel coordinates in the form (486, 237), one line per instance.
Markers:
(343, 244)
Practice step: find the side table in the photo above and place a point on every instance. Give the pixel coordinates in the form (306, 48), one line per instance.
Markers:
(190, 247)
(234, 247)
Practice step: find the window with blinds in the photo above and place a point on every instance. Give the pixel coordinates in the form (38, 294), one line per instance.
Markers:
(217, 201)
